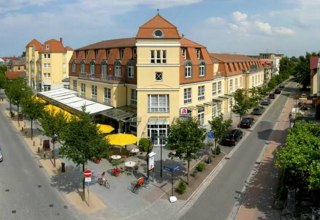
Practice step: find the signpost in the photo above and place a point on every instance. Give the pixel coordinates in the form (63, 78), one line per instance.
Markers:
(172, 170)
(87, 178)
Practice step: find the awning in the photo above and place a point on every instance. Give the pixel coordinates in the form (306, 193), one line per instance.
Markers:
(158, 121)
(121, 139)
(68, 99)
(217, 99)
(123, 114)
(55, 110)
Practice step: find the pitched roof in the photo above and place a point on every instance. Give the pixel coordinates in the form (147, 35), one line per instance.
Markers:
(115, 43)
(15, 74)
(146, 31)
(224, 57)
(189, 43)
(35, 43)
(53, 46)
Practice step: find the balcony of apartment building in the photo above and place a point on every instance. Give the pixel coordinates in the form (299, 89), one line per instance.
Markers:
(217, 75)
(102, 78)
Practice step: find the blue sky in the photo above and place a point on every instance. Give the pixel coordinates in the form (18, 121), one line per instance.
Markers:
(290, 27)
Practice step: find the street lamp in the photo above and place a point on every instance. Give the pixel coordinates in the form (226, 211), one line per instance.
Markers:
(54, 138)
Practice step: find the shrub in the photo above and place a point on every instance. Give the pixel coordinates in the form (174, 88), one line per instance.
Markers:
(144, 144)
(182, 187)
(201, 166)
(218, 150)
(194, 173)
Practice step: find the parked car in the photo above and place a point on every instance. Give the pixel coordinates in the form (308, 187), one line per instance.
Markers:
(258, 110)
(1, 156)
(246, 122)
(231, 137)
(266, 101)
(282, 86)
(272, 96)
(277, 91)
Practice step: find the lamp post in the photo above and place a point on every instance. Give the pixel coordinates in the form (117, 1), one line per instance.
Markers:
(54, 138)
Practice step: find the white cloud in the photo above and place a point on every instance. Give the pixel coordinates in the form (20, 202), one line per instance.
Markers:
(215, 21)
(239, 17)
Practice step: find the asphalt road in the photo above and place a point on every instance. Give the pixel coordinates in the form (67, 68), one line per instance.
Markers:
(25, 190)
(220, 197)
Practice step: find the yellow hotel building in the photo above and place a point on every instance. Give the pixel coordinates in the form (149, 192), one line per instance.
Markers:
(155, 77)
(47, 64)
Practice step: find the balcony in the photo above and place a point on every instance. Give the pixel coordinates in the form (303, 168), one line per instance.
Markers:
(218, 75)
(108, 78)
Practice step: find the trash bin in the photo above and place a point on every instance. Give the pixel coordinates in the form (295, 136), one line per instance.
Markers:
(63, 167)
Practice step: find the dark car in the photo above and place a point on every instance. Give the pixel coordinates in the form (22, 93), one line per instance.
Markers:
(258, 110)
(246, 122)
(266, 101)
(277, 91)
(272, 96)
(1, 156)
(282, 86)
(231, 137)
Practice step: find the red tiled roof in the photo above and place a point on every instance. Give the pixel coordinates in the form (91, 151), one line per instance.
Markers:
(15, 74)
(189, 43)
(55, 46)
(35, 43)
(115, 43)
(224, 57)
(314, 62)
(158, 23)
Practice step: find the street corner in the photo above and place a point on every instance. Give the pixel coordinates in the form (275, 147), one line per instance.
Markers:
(91, 204)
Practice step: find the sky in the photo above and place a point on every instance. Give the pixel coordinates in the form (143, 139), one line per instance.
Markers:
(250, 27)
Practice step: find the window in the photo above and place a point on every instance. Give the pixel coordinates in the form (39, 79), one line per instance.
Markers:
(107, 96)
(202, 69)
(198, 52)
(134, 52)
(230, 85)
(46, 65)
(214, 111)
(117, 69)
(236, 83)
(47, 47)
(158, 56)
(201, 115)
(200, 92)
(75, 85)
(218, 109)
(83, 89)
(104, 68)
(92, 68)
(94, 91)
(187, 96)
(252, 78)
(158, 103)
(184, 53)
(130, 69)
(46, 55)
(214, 88)
(188, 70)
(133, 99)
(73, 67)
(46, 87)
(47, 75)
(240, 79)
(82, 66)
(158, 76)
(121, 50)
(219, 88)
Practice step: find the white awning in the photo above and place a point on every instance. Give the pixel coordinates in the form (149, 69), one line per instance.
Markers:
(158, 121)
(69, 98)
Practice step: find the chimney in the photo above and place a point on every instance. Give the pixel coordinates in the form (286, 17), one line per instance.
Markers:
(60, 39)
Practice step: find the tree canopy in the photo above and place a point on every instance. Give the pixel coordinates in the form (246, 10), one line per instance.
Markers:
(242, 102)
(219, 126)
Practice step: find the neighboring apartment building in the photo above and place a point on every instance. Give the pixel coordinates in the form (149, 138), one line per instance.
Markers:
(275, 61)
(47, 64)
(158, 76)
(268, 68)
(16, 67)
(239, 72)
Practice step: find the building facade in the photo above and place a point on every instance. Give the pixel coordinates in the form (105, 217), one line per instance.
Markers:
(156, 77)
(47, 64)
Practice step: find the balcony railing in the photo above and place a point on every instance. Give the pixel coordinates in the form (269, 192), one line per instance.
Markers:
(108, 78)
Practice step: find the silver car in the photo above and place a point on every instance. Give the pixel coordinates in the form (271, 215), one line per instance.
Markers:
(1, 156)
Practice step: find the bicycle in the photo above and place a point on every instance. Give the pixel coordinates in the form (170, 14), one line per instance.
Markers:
(103, 182)
(136, 186)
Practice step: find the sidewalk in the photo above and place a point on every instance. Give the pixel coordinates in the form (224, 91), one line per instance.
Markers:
(258, 200)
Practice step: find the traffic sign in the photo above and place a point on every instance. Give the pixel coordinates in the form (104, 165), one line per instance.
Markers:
(87, 179)
(210, 135)
(87, 173)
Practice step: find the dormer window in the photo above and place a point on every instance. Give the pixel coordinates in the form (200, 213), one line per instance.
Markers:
(47, 47)
(198, 51)
(184, 53)
(134, 52)
(158, 34)
(121, 52)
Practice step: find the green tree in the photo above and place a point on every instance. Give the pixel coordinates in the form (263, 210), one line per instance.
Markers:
(219, 127)
(242, 102)
(3, 79)
(186, 138)
(32, 110)
(81, 141)
(52, 124)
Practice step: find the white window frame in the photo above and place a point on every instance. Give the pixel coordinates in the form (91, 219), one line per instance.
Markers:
(92, 68)
(201, 115)
(230, 85)
(94, 91)
(74, 67)
(83, 89)
(107, 95)
(201, 92)
(188, 70)
(117, 69)
(75, 85)
(133, 97)
(158, 56)
(130, 70)
(214, 88)
(82, 67)
(219, 87)
(187, 95)
(104, 70)
(158, 103)
(202, 69)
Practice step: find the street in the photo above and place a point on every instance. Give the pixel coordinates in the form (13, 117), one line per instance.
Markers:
(218, 200)
(26, 192)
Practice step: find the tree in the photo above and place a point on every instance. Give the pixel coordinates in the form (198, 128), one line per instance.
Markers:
(3, 79)
(81, 141)
(186, 138)
(219, 127)
(53, 123)
(300, 155)
(32, 110)
(242, 102)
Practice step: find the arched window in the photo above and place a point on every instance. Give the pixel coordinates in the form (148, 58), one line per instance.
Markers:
(82, 66)
(92, 68)
(188, 69)
(73, 67)
(130, 69)
(117, 69)
(104, 68)
(202, 68)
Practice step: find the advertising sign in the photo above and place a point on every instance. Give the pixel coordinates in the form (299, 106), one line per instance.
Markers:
(151, 160)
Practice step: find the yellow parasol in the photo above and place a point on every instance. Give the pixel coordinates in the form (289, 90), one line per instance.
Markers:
(121, 139)
(105, 128)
